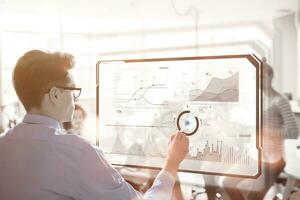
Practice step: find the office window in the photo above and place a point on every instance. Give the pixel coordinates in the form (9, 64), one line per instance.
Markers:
(92, 39)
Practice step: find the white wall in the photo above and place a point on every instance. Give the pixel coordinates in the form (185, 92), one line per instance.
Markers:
(298, 62)
(1, 74)
(285, 55)
(297, 22)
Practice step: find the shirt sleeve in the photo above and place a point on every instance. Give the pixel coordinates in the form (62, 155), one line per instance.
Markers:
(162, 187)
(289, 122)
(95, 179)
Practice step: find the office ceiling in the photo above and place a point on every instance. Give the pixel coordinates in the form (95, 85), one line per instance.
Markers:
(208, 11)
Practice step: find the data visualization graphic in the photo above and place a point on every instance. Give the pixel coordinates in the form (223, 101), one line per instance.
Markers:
(187, 123)
(213, 100)
(220, 90)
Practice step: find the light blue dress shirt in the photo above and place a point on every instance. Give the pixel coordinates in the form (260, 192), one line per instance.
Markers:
(37, 162)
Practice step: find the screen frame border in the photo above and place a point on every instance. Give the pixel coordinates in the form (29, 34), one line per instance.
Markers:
(253, 59)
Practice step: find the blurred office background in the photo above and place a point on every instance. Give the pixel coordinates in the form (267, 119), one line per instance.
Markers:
(94, 30)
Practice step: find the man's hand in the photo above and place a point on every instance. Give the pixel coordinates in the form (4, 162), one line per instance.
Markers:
(178, 148)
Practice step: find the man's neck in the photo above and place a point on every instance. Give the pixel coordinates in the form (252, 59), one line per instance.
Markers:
(35, 111)
(38, 111)
(270, 92)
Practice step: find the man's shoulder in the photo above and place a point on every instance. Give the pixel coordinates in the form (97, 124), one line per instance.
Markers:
(71, 140)
(25, 133)
(282, 100)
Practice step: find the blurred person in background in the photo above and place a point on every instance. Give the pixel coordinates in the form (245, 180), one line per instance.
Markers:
(76, 125)
(279, 123)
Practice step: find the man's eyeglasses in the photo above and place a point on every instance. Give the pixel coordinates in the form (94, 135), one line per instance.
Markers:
(76, 91)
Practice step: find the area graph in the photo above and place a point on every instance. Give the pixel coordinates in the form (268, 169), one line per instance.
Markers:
(218, 90)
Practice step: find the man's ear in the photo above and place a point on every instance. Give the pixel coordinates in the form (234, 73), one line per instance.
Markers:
(54, 95)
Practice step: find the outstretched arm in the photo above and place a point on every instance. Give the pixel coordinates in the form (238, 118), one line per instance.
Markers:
(95, 178)
(178, 148)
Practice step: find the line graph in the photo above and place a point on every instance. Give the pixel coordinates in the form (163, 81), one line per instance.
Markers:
(140, 92)
(139, 95)
(138, 126)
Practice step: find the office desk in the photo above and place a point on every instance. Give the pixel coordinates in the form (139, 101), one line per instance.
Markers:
(139, 176)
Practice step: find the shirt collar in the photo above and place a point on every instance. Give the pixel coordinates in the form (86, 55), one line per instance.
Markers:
(41, 119)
